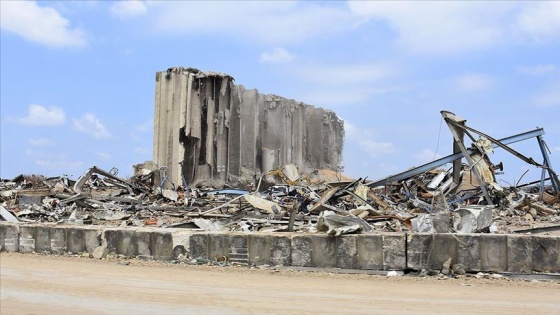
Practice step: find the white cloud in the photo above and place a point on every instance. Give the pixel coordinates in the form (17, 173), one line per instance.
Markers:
(438, 27)
(549, 96)
(346, 73)
(137, 133)
(426, 155)
(474, 82)
(148, 126)
(40, 142)
(538, 70)
(128, 8)
(38, 115)
(91, 125)
(59, 164)
(541, 20)
(43, 25)
(103, 155)
(277, 55)
(557, 149)
(345, 84)
(263, 21)
(375, 148)
(365, 139)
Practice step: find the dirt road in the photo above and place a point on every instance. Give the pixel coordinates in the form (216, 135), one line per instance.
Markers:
(40, 284)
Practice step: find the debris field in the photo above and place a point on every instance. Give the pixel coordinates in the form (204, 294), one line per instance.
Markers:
(432, 198)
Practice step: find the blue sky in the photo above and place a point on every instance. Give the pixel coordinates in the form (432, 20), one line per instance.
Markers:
(77, 78)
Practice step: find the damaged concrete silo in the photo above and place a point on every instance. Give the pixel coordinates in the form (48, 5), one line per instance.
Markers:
(206, 127)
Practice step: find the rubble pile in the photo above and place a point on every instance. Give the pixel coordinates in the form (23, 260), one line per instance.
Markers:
(306, 204)
(463, 198)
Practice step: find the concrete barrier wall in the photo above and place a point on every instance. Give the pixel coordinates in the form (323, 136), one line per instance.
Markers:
(385, 251)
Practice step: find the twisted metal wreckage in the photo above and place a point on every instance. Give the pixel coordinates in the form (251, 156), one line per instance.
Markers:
(465, 198)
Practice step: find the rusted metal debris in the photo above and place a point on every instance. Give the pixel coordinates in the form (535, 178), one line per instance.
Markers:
(424, 199)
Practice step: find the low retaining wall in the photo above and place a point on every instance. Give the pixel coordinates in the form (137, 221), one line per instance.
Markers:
(385, 251)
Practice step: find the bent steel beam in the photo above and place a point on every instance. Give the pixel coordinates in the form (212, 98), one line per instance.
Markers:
(450, 158)
(553, 178)
(455, 125)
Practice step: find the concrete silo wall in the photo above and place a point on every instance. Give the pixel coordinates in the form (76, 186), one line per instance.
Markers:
(206, 127)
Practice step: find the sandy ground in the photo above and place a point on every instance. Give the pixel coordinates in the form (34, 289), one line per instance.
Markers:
(42, 284)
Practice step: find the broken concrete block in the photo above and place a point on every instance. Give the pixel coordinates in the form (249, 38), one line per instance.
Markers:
(431, 251)
(468, 251)
(9, 237)
(459, 269)
(394, 251)
(30, 200)
(446, 267)
(218, 245)
(120, 241)
(323, 252)
(170, 194)
(301, 251)
(347, 252)
(127, 244)
(111, 238)
(162, 245)
(370, 251)
(100, 252)
(92, 238)
(75, 241)
(199, 245)
(493, 253)
(144, 244)
(58, 240)
(472, 218)
(27, 235)
(520, 253)
(43, 239)
(281, 251)
(58, 188)
(181, 244)
(419, 249)
(239, 249)
(260, 248)
(545, 253)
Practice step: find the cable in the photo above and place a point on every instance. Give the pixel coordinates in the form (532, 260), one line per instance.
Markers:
(439, 136)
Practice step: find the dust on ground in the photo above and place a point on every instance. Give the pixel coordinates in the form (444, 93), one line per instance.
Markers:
(45, 284)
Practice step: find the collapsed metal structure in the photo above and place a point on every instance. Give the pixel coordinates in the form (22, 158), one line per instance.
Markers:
(459, 129)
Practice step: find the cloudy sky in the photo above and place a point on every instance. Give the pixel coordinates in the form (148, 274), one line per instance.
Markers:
(77, 78)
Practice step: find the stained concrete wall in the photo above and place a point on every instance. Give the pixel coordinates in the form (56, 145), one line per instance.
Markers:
(385, 251)
(206, 127)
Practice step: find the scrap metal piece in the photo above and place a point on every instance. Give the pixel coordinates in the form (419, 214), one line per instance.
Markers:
(208, 225)
(335, 224)
(454, 122)
(7, 215)
(81, 181)
(546, 166)
(321, 204)
(262, 204)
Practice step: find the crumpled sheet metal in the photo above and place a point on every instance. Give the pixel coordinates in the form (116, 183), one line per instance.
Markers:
(264, 205)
